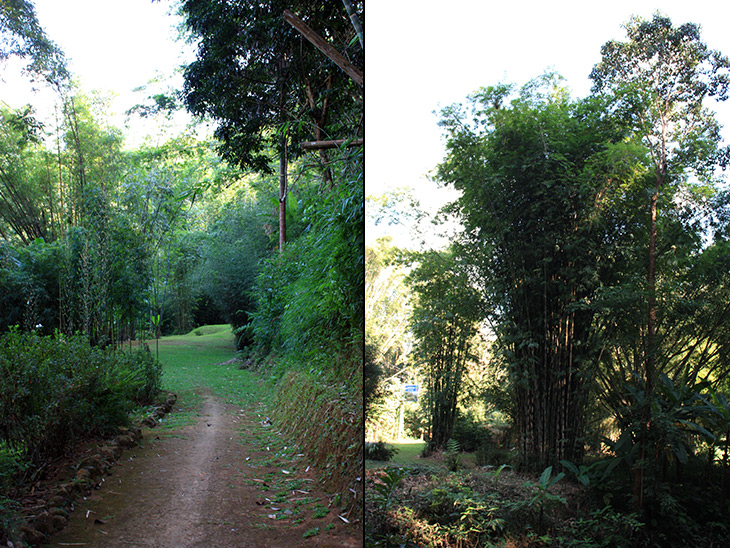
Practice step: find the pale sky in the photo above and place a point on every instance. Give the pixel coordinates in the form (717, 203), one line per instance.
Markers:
(422, 55)
(111, 46)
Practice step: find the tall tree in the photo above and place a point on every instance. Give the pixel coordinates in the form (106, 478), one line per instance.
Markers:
(535, 174)
(659, 80)
(445, 319)
(267, 87)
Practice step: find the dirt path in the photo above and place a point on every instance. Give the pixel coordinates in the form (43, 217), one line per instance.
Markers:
(209, 484)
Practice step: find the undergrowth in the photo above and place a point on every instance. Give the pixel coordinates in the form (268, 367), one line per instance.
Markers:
(56, 390)
(326, 420)
(488, 508)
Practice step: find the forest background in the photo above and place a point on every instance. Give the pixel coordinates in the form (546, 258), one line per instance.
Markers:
(569, 319)
(112, 234)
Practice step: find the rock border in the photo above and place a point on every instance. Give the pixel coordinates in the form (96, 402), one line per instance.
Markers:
(54, 515)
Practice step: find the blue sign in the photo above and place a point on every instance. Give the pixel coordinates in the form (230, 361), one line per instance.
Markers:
(412, 388)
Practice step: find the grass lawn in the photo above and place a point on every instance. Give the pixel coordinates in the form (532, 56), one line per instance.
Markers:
(409, 454)
(205, 360)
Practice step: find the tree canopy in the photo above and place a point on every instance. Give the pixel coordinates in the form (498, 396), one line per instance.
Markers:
(260, 79)
(22, 36)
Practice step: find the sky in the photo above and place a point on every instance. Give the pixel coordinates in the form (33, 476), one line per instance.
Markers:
(423, 55)
(111, 46)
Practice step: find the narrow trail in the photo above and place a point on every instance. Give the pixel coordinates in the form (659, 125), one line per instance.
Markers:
(207, 484)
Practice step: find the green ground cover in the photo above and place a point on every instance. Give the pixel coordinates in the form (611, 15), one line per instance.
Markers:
(409, 454)
(205, 359)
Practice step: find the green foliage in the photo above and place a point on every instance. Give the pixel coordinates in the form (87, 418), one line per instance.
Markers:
(675, 73)
(229, 253)
(533, 174)
(663, 99)
(309, 298)
(388, 482)
(55, 392)
(462, 516)
(470, 432)
(29, 286)
(602, 528)
(585, 475)
(253, 74)
(13, 464)
(452, 455)
(538, 506)
(379, 450)
(387, 305)
(372, 388)
(444, 321)
(23, 37)
(26, 188)
(57, 389)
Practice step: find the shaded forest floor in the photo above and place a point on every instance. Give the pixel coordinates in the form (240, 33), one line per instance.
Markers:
(214, 472)
(414, 501)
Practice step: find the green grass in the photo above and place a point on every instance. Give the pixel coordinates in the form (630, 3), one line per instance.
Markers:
(199, 359)
(409, 454)
(202, 361)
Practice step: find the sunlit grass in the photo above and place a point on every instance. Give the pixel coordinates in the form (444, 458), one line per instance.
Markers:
(409, 454)
(202, 361)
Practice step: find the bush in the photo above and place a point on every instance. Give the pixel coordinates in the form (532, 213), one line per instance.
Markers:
(379, 450)
(470, 432)
(58, 389)
(462, 517)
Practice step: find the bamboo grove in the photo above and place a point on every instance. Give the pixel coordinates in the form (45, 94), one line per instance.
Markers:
(593, 256)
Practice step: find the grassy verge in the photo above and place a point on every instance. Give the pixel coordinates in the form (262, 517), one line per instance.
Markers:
(326, 420)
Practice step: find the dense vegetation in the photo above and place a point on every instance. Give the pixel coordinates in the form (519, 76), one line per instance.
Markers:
(102, 245)
(595, 236)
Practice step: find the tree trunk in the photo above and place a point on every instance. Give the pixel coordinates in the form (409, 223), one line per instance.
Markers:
(650, 361)
(283, 166)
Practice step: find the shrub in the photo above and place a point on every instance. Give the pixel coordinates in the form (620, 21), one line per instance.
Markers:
(379, 450)
(58, 389)
(470, 432)
(463, 517)
(452, 456)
